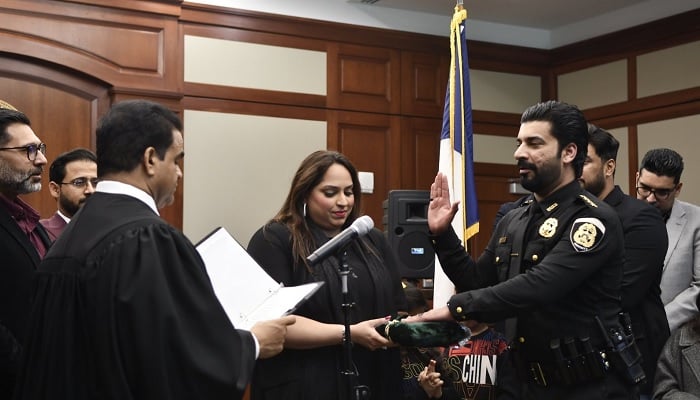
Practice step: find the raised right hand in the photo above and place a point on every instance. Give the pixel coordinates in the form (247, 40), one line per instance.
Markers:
(271, 335)
(440, 210)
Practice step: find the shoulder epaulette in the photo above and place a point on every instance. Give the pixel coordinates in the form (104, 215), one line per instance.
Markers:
(588, 201)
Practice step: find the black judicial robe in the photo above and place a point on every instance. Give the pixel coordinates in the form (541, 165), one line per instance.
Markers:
(124, 309)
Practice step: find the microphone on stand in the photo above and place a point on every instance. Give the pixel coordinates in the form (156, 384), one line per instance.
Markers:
(360, 227)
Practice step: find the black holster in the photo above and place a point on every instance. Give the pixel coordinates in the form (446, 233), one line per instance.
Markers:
(624, 354)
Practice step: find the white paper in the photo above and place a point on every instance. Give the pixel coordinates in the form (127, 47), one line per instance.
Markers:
(246, 292)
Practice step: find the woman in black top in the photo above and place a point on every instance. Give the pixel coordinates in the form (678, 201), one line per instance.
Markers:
(324, 199)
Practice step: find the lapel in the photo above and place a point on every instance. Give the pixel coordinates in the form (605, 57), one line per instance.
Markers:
(10, 226)
(690, 349)
(674, 226)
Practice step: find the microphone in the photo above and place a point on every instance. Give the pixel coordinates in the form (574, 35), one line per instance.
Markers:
(360, 227)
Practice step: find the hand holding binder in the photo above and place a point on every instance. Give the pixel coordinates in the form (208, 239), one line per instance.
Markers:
(246, 292)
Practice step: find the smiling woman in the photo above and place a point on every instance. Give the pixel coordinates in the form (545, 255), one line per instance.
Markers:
(325, 198)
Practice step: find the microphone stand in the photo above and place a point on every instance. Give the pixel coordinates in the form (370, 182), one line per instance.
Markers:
(356, 392)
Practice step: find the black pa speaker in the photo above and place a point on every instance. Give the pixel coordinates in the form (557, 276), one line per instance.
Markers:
(406, 228)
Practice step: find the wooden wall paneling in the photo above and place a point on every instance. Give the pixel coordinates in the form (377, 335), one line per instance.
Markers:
(506, 58)
(424, 82)
(328, 32)
(103, 52)
(631, 78)
(633, 159)
(666, 32)
(260, 36)
(495, 123)
(420, 152)
(62, 106)
(371, 142)
(492, 182)
(549, 86)
(217, 92)
(675, 104)
(127, 49)
(166, 7)
(364, 78)
(254, 108)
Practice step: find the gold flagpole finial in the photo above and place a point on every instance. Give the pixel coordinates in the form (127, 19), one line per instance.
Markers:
(460, 5)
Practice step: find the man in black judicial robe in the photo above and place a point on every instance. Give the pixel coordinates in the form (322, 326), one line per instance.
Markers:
(123, 306)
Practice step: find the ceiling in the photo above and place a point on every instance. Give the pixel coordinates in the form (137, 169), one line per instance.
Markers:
(542, 14)
(531, 23)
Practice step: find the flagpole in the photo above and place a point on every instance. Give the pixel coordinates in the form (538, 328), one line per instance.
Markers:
(456, 148)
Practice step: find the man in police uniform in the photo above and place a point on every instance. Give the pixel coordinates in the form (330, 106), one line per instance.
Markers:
(552, 267)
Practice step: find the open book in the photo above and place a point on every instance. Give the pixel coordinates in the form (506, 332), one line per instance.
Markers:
(247, 293)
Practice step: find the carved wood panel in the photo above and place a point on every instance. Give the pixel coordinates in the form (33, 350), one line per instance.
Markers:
(370, 141)
(364, 79)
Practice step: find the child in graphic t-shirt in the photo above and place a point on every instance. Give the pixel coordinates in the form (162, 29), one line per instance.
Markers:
(479, 370)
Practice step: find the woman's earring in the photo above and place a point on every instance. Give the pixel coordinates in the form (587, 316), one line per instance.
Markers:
(304, 210)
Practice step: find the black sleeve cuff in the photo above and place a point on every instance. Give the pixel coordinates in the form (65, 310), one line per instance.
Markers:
(457, 306)
(446, 241)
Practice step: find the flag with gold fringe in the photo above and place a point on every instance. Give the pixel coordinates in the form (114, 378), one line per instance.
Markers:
(456, 147)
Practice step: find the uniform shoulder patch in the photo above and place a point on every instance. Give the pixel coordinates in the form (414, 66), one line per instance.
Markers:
(586, 234)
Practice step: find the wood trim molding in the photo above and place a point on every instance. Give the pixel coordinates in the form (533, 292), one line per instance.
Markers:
(666, 32)
(261, 96)
(82, 37)
(647, 109)
(253, 108)
(500, 170)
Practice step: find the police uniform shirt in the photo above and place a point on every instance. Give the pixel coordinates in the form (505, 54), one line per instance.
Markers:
(553, 265)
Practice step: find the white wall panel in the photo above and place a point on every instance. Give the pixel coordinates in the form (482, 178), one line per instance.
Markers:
(683, 136)
(238, 169)
(595, 86)
(256, 66)
(498, 91)
(668, 70)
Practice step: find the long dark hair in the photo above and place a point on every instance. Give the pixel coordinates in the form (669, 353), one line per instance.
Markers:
(308, 176)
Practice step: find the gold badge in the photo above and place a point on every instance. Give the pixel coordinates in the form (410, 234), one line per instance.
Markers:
(586, 234)
(549, 227)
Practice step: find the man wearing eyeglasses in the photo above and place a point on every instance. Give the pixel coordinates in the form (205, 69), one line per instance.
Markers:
(72, 179)
(659, 183)
(23, 241)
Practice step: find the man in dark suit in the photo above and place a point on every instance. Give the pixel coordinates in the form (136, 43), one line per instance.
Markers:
(23, 241)
(645, 247)
(72, 179)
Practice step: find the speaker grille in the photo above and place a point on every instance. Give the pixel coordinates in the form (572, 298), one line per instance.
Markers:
(406, 227)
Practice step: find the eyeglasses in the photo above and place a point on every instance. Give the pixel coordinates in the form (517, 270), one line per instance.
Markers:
(31, 149)
(660, 194)
(82, 182)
